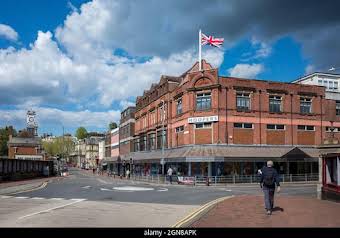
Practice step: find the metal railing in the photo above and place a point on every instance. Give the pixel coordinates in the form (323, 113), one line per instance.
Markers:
(220, 180)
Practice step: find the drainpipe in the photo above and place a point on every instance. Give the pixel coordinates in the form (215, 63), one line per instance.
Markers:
(291, 117)
(260, 109)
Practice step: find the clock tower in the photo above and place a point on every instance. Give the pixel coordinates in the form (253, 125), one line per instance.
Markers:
(32, 125)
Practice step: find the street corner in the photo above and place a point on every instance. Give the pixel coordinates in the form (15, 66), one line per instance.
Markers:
(198, 213)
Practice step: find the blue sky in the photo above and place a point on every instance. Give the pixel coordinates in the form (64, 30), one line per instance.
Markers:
(79, 63)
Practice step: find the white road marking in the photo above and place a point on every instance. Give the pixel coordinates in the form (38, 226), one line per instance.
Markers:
(163, 190)
(131, 188)
(57, 198)
(51, 209)
(86, 187)
(21, 197)
(77, 199)
(228, 190)
(105, 189)
(102, 181)
(4, 196)
(37, 198)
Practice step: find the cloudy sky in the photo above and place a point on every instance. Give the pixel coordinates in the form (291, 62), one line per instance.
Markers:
(79, 63)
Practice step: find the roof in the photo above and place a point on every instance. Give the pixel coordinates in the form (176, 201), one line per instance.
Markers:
(25, 141)
(313, 74)
(229, 151)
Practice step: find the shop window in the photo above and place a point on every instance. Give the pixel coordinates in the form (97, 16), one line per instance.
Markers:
(243, 101)
(306, 128)
(335, 129)
(203, 125)
(332, 171)
(203, 101)
(152, 141)
(243, 125)
(275, 103)
(275, 127)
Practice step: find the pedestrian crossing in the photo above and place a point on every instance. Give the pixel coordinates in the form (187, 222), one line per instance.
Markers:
(40, 198)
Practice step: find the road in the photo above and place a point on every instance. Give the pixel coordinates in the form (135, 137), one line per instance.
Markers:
(86, 200)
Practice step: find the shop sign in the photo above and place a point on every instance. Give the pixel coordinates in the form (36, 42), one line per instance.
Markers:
(202, 119)
(204, 159)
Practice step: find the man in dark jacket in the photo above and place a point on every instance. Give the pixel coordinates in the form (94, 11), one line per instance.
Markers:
(269, 178)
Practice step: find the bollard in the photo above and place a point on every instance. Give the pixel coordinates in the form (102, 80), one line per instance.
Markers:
(215, 180)
(233, 178)
(207, 181)
(291, 178)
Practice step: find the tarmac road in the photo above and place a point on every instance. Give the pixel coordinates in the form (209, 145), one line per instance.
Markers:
(86, 200)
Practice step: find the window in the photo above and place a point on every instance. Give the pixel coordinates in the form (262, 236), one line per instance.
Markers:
(306, 128)
(203, 125)
(320, 82)
(325, 83)
(143, 145)
(179, 106)
(275, 103)
(275, 127)
(335, 129)
(332, 171)
(159, 139)
(330, 85)
(179, 129)
(305, 105)
(152, 141)
(137, 145)
(337, 108)
(336, 85)
(243, 101)
(243, 125)
(203, 101)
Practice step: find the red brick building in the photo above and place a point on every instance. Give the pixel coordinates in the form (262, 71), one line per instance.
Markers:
(216, 125)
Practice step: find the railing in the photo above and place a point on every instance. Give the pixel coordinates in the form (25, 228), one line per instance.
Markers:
(220, 180)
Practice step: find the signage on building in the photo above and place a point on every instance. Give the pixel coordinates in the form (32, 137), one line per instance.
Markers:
(202, 119)
(29, 157)
(204, 159)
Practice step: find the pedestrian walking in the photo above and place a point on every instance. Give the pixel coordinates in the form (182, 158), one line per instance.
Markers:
(98, 170)
(128, 174)
(93, 170)
(269, 178)
(170, 171)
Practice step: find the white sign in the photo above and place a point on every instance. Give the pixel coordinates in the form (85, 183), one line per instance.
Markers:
(29, 157)
(202, 119)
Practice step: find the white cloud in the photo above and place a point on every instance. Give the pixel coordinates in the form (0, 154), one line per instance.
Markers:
(246, 70)
(124, 104)
(51, 117)
(8, 32)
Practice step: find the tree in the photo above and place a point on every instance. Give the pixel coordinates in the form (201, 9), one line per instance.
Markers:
(113, 125)
(4, 137)
(81, 133)
(59, 146)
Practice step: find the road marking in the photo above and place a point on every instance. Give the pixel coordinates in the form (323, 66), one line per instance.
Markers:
(198, 211)
(51, 209)
(86, 187)
(102, 181)
(77, 199)
(43, 185)
(228, 190)
(163, 190)
(131, 188)
(21, 197)
(57, 198)
(37, 198)
(6, 196)
(105, 189)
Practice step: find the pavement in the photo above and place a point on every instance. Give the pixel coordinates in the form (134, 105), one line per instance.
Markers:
(289, 211)
(86, 200)
(14, 187)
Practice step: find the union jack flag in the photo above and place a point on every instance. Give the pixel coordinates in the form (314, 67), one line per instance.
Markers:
(210, 40)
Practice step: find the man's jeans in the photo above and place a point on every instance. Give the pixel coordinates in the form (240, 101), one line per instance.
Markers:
(268, 197)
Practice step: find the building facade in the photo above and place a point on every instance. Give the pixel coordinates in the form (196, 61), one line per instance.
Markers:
(214, 125)
(331, 83)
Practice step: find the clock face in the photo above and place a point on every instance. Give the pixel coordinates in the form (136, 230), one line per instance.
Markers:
(31, 119)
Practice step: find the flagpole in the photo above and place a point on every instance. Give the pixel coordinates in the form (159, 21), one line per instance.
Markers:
(200, 50)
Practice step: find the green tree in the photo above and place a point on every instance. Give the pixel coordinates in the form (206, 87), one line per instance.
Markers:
(113, 125)
(63, 146)
(81, 133)
(4, 137)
